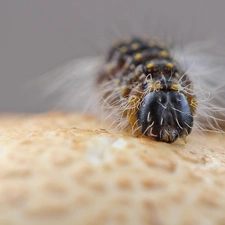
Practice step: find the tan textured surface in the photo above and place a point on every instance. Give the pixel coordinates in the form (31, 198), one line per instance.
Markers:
(52, 173)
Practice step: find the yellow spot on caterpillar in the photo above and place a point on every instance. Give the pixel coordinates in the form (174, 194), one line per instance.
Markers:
(184, 138)
(194, 104)
(151, 86)
(123, 49)
(135, 46)
(163, 53)
(157, 86)
(137, 73)
(176, 87)
(133, 101)
(123, 90)
(170, 65)
(138, 56)
(154, 86)
(149, 65)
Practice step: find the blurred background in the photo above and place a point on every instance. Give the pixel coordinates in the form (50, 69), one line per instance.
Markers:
(38, 35)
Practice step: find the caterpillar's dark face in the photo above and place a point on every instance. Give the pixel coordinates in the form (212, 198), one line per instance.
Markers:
(165, 116)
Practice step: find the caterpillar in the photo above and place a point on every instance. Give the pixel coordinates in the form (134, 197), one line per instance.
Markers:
(150, 89)
(152, 92)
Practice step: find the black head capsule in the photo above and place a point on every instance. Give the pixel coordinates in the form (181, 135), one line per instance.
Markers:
(165, 116)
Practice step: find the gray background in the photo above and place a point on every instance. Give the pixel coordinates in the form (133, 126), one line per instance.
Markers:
(37, 35)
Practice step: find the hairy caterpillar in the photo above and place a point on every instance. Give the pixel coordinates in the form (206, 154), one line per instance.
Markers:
(147, 88)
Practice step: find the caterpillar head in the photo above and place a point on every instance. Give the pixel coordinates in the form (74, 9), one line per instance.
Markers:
(165, 116)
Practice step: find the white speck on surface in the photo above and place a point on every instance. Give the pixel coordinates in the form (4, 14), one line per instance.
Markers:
(98, 151)
(120, 144)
